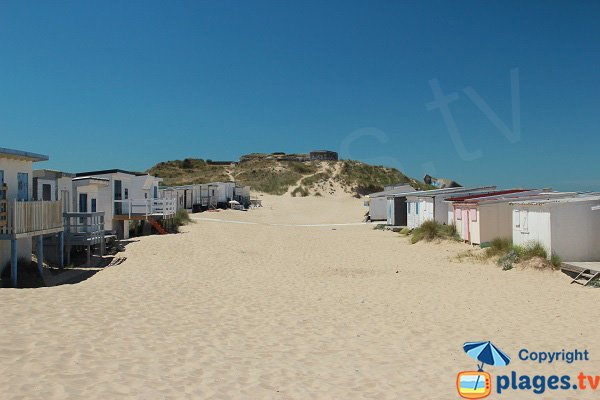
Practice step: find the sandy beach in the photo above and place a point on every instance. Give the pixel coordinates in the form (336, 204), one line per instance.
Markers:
(296, 300)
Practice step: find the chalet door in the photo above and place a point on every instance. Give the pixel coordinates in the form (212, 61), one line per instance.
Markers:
(1, 183)
(22, 186)
(118, 196)
(83, 202)
(466, 225)
(46, 192)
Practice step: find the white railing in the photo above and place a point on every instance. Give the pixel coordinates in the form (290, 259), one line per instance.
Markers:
(84, 228)
(31, 217)
(147, 207)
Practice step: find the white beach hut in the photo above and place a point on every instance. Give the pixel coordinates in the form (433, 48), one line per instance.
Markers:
(480, 218)
(566, 226)
(431, 205)
(21, 218)
(51, 185)
(378, 202)
(123, 196)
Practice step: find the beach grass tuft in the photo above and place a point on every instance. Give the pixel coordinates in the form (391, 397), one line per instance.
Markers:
(430, 230)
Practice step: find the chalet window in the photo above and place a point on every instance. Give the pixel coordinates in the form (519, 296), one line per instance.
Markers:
(83, 202)
(46, 192)
(524, 220)
(458, 213)
(93, 205)
(473, 214)
(126, 193)
(416, 208)
(22, 186)
(517, 219)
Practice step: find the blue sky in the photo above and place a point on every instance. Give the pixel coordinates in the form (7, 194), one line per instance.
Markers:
(128, 84)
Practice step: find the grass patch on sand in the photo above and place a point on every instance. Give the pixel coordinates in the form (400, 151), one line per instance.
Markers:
(182, 218)
(405, 231)
(432, 230)
(507, 255)
(300, 191)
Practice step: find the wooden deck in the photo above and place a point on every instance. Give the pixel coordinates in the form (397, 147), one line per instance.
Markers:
(583, 273)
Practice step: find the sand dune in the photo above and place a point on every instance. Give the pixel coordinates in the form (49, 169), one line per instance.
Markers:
(266, 311)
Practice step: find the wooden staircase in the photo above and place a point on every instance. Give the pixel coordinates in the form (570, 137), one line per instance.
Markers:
(159, 228)
(586, 277)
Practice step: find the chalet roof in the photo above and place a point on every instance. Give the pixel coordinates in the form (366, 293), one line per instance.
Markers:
(22, 155)
(51, 173)
(575, 198)
(482, 196)
(458, 190)
(393, 191)
(110, 171)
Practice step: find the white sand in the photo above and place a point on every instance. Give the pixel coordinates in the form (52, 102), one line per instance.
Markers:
(256, 310)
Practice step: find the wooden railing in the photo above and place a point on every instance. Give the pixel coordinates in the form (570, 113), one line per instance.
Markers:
(32, 217)
(147, 207)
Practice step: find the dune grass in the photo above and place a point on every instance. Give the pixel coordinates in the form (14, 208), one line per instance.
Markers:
(300, 191)
(431, 230)
(507, 255)
(182, 218)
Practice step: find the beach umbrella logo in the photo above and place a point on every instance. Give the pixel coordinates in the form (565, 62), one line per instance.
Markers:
(478, 384)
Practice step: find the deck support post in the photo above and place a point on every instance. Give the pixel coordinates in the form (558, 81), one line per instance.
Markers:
(40, 255)
(61, 249)
(13, 262)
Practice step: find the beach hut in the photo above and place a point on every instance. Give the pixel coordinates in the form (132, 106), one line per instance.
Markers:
(396, 209)
(123, 196)
(22, 218)
(431, 205)
(566, 226)
(51, 185)
(480, 218)
(378, 202)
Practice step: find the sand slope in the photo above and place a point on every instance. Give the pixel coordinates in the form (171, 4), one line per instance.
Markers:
(261, 311)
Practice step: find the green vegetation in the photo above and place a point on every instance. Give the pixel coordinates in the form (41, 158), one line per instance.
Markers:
(300, 191)
(507, 254)
(182, 218)
(271, 174)
(316, 178)
(301, 168)
(188, 171)
(405, 231)
(365, 178)
(431, 230)
(379, 227)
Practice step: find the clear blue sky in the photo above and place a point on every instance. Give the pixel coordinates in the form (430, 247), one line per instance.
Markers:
(127, 84)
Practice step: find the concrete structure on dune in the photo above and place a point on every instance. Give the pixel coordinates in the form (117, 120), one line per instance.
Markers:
(323, 155)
